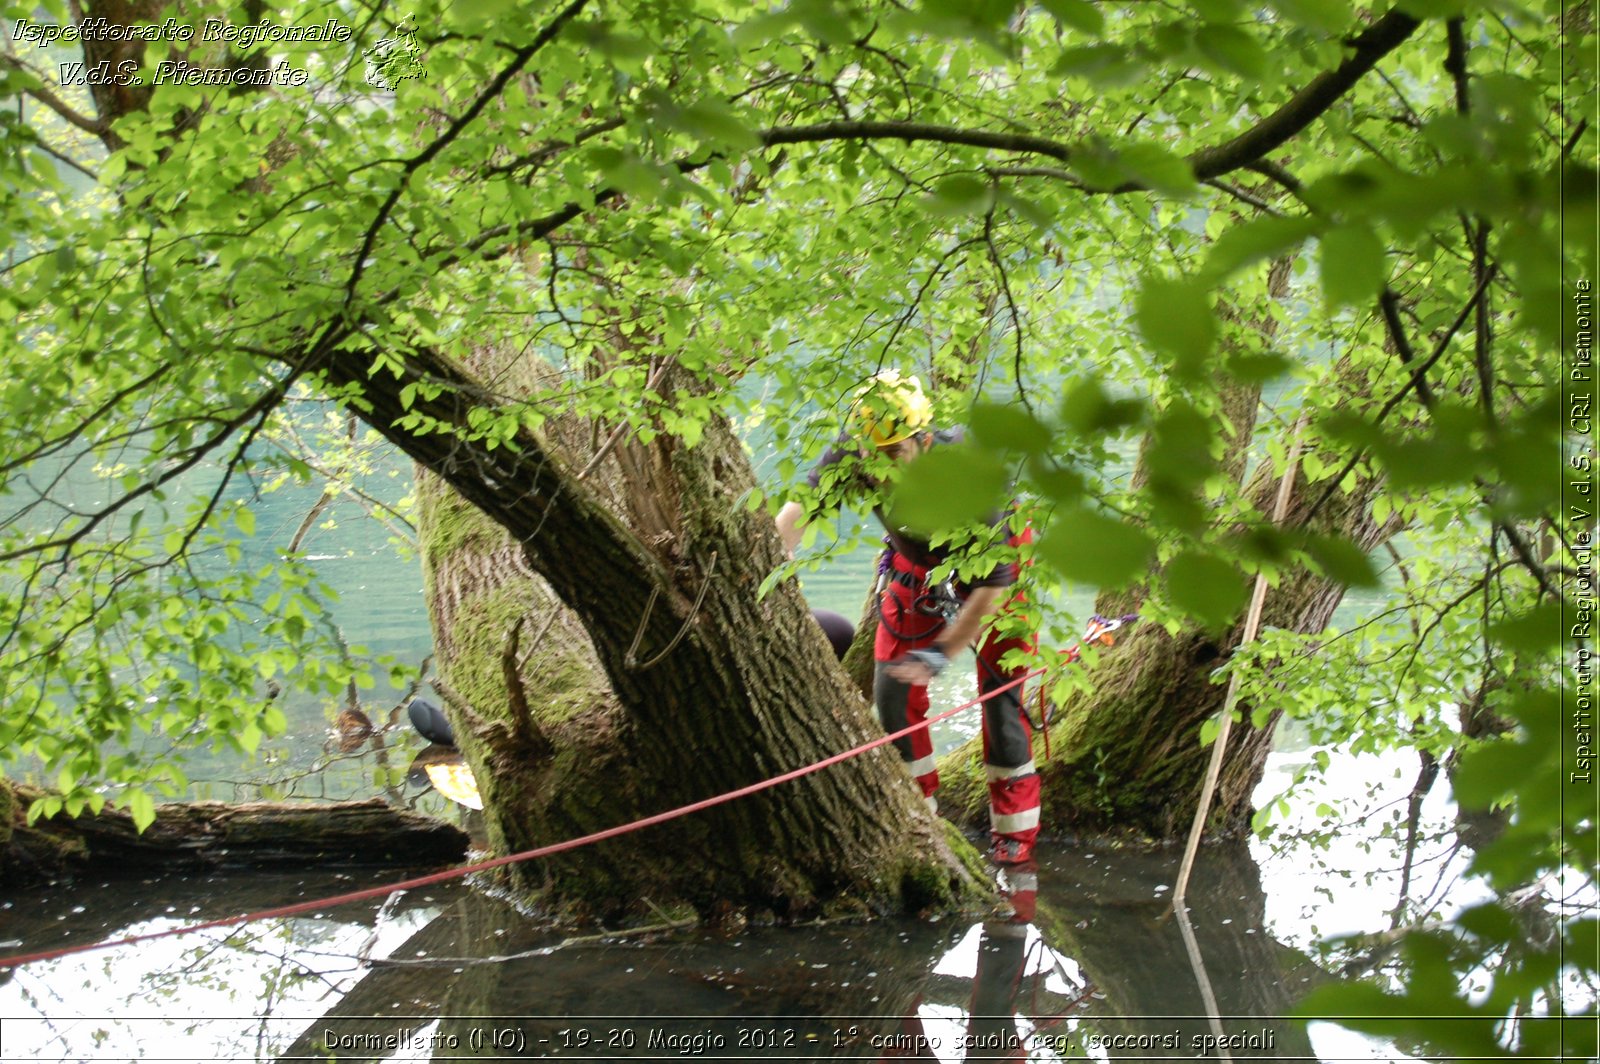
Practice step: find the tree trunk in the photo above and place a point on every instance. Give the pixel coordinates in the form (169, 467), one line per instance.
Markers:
(668, 682)
(200, 835)
(858, 662)
(712, 688)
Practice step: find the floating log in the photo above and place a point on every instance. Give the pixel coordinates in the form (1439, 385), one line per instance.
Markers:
(190, 835)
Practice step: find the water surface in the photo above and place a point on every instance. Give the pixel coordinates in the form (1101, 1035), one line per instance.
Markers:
(1100, 970)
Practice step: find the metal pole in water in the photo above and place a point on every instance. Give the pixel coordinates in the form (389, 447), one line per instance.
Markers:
(1252, 625)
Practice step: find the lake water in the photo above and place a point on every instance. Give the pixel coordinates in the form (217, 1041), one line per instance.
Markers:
(1101, 970)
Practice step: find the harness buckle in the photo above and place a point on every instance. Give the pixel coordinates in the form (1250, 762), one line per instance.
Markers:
(939, 600)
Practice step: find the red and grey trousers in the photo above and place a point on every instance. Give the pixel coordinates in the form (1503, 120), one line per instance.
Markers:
(904, 624)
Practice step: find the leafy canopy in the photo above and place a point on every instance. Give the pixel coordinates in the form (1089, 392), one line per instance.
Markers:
(1090, 227)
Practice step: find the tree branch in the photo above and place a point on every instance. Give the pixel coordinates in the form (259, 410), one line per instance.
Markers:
(426, 155)
(1371, 45)
(1525, 555)
(1389, 304)
(66, 160)
(43, 95)
(257, 410)
(1416, 375)
(1245, 150)
(1020, 143)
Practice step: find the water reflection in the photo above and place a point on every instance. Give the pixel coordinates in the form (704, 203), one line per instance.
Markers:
(1086, 960)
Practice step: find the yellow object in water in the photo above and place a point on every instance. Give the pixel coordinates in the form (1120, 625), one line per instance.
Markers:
(453, 779)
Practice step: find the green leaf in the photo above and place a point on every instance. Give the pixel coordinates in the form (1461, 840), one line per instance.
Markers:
(1106, 66)
(476, 12)
(762, 28)
(826, 21)
(1176, 319)
(1077, 14)
(1106, 166)
(1217, 10)
(716, 121)
(1342, 561)
(959, 194)
(949, 486)
(1232, 49)
(1257, 368)
(1090, 411)
(1008, 426)
(1489, 772)
(142, 808)
(619, 46)
(1351, 259)
(245, 518)
(1435, 9)
(1205, 587)
(1030, 211)
(1158, 169)
(1094, 548)
(1532, 631)
(1329, 16)
(637, 178)
(1255, 241)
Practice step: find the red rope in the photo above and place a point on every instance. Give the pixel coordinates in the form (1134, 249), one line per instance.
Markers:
(515, 858)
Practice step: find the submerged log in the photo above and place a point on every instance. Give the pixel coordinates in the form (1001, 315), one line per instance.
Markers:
(189, 835)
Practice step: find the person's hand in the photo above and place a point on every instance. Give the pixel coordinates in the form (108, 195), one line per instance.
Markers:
(919, 667)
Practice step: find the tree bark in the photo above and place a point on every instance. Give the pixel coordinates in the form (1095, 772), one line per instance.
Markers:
(1130, 758)
(661, 681)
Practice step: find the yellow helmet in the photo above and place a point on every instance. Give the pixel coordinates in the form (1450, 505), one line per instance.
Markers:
(890, 408)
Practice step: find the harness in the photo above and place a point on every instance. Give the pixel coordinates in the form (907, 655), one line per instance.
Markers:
(940, 601)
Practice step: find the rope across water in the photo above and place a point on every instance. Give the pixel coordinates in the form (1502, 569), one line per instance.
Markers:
(384, 891)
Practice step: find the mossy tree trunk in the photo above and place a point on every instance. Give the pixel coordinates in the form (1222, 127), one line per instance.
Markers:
(609, 659)
(725, 689)
(1135, 757)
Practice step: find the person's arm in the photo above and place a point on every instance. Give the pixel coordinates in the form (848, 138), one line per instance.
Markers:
(962, 629)
(791, 524)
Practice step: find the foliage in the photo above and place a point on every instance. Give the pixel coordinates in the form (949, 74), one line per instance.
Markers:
(1060, 216)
